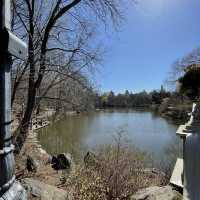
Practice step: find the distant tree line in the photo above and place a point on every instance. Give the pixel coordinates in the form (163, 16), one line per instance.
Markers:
(129, 99)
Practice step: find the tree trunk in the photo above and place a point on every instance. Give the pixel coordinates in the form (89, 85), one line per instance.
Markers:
(24, 126)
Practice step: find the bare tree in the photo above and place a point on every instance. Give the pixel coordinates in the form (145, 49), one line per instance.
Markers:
(53, 28)
(179, 66)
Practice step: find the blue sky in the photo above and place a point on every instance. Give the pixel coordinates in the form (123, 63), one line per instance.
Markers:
(154, 35)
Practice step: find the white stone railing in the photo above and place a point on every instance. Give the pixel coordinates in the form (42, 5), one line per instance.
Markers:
(186, 173)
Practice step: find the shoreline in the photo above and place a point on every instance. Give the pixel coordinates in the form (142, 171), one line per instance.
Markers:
(45, 175)
(47, 180)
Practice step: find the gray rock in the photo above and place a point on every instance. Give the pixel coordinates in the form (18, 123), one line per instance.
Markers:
(157, 193)
(61, 161)
(90, 159)
(43, 191)
(31, 164)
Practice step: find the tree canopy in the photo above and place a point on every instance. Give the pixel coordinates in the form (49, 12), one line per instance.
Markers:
(190, 81)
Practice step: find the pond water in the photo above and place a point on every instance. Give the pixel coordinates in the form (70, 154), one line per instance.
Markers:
(143, 129)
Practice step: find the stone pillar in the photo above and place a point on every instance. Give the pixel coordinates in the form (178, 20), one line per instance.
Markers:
(192, 156)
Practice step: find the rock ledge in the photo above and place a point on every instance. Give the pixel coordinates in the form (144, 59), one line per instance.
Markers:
(42, 191)
(157, 193)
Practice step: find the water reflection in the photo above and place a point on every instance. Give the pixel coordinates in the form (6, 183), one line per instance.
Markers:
(145, 130)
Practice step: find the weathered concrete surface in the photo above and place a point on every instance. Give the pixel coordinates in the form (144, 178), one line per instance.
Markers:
(157, 193)
(176, 178)
(43, 191)
(191, 168)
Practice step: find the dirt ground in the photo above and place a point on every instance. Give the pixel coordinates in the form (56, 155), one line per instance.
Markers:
(44, 172)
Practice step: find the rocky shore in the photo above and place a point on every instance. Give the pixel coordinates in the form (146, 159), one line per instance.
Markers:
(42, 181)
(45, 183)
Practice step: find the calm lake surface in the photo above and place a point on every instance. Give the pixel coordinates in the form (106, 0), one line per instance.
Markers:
(84, 132)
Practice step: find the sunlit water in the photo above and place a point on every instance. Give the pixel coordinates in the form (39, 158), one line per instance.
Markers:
(84, 132)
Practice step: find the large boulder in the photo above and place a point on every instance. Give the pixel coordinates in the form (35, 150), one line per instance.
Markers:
(157, 193)
(42, 191)
(62, 161)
